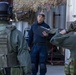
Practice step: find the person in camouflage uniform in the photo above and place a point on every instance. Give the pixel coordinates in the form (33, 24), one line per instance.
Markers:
(66, 40)
(14, 54)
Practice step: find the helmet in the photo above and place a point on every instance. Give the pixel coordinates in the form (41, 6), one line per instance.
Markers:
(5, 9)
(71, 27)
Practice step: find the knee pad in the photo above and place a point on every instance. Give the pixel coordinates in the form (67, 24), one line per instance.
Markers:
(42, 68)
(34, 68)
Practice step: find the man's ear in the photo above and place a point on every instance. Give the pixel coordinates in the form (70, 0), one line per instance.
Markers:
(44, 18)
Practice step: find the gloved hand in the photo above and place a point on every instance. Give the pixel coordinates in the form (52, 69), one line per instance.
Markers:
(72, 27)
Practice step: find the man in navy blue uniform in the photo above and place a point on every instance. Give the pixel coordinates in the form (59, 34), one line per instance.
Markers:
(40, 48)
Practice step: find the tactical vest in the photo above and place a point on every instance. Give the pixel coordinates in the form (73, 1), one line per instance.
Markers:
(8, 58)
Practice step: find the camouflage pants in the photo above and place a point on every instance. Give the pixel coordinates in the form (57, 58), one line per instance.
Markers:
(70, 68)
(13, 71)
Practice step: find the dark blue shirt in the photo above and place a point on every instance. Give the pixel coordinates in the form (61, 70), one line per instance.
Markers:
(35, 38)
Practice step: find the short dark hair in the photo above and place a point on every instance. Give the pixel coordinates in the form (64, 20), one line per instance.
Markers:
(43, 15)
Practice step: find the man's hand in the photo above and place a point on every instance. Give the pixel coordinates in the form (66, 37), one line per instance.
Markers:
(63, 32)
(29, 49)
(45, 33)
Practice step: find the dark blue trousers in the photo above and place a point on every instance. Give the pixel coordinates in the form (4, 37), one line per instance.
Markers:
(39, 57)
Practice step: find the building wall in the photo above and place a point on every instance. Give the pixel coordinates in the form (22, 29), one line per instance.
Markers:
(71, 10)
(60, 21)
